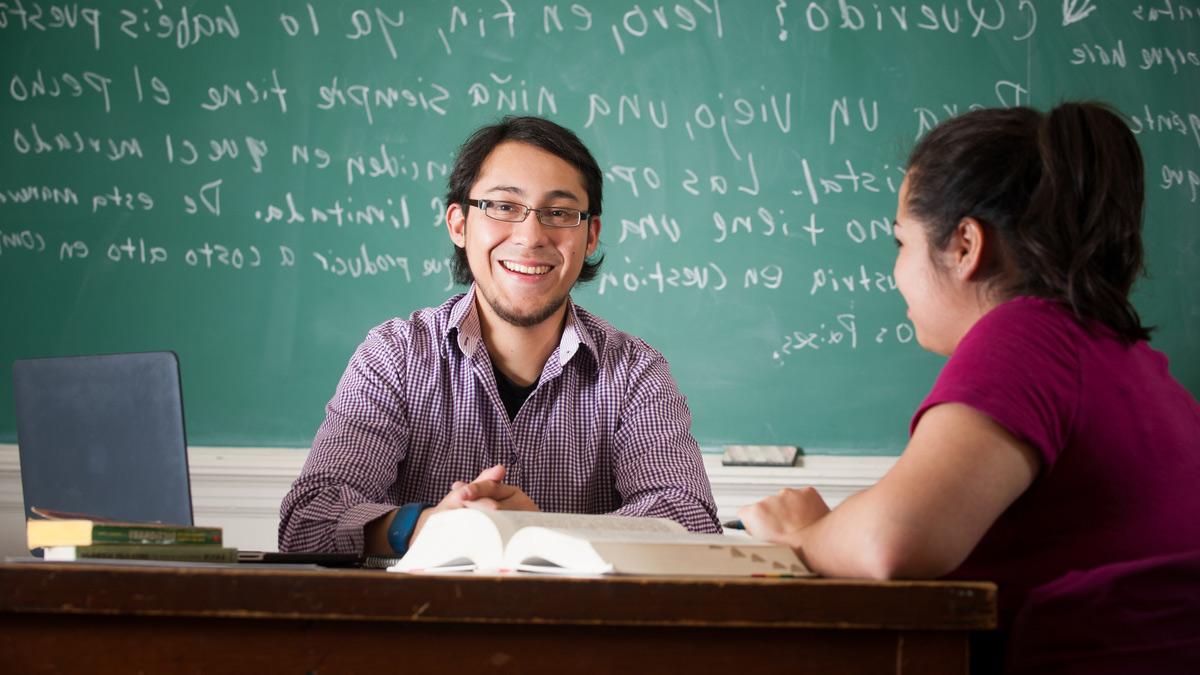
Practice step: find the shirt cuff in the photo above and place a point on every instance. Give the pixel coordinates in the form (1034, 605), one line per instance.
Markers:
(348, 534)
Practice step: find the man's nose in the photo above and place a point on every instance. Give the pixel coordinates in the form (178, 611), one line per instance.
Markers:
(530, 231)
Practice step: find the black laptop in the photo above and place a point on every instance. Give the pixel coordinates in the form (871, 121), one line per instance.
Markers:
(103, 435)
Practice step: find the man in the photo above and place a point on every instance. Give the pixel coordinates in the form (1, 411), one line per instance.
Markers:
(509, 396)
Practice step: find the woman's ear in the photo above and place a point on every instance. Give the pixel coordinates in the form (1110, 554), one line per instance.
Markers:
(966, 249)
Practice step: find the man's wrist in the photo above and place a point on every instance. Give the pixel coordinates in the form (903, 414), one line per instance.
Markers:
(401, 529)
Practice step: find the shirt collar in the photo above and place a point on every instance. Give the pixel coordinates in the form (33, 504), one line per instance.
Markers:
(464, 322)
(575, 333)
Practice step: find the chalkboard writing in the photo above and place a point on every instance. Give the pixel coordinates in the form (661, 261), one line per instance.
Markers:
(255, 185)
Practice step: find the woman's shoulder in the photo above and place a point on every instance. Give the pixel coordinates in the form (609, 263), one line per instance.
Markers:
(1036, 321)
(1020, 365)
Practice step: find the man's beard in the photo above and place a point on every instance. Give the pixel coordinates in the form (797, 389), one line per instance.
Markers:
(525, 320)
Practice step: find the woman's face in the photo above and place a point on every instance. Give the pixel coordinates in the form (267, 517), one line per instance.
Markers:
(933, 305)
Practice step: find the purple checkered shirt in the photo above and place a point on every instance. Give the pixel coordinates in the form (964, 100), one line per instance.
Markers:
(605, 431)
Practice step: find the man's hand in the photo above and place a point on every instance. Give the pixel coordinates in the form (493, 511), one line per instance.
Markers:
(487, 492)
(461, 492)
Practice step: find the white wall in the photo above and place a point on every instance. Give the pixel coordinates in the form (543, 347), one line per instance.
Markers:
(239, 489)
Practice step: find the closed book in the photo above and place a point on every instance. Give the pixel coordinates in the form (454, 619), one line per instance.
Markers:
(559, 543)
(178, 553)
(84, 532)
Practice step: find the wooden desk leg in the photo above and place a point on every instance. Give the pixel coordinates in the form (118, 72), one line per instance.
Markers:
(926, 653)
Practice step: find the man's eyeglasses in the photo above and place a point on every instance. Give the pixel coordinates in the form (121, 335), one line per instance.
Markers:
(510, 212)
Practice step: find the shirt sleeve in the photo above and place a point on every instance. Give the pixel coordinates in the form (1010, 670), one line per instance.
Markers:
(658, 468)
(1018, 365)
(352, 467)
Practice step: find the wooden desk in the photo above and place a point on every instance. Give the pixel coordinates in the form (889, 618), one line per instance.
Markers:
(61, 617)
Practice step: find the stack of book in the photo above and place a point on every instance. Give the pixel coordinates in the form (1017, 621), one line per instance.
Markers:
(80, 538)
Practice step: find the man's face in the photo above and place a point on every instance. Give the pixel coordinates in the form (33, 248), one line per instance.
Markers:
(524, 271)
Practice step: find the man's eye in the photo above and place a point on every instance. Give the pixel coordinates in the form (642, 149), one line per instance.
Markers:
(504, 207)
(558, 213)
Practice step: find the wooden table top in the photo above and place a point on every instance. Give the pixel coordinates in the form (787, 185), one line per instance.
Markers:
(248, 591)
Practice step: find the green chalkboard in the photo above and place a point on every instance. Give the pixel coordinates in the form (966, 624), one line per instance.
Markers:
(255, 185)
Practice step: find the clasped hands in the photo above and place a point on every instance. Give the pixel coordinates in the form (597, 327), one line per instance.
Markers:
(488, 492)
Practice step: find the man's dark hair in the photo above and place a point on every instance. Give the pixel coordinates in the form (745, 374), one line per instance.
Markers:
(538, 132)
(1062, 190)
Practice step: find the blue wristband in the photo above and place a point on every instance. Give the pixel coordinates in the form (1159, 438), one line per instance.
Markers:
(401, 529)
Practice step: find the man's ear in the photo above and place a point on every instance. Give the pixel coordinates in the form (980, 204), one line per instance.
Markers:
(456, 225)
(593, 239)
(967, 247)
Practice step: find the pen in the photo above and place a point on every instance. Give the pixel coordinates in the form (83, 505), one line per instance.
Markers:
(733, 525)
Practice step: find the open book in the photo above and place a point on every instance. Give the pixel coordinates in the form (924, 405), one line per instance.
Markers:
(494, 541)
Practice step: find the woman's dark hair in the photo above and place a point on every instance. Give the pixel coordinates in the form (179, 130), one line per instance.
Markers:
(1063, 190)
(536, 131)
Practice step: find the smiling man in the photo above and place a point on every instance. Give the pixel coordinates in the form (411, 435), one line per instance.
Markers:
(509, 396)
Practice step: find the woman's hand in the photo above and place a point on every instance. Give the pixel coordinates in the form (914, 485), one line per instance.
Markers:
(780, 517)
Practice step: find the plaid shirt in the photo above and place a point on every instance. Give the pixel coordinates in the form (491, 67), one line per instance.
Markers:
(605, 431)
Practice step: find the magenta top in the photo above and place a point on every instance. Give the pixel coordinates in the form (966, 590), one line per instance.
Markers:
(1119, 442)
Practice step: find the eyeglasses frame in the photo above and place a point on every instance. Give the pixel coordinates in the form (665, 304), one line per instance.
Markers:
(482, 204)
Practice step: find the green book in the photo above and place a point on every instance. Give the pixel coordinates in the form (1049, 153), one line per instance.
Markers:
(85, 532)
(179, 553)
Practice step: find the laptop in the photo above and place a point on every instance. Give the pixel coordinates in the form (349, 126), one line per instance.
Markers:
(103, 435)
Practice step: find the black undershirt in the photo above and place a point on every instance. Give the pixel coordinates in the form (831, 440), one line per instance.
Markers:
(511, 393)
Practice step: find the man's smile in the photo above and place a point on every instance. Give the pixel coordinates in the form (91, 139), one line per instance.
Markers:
(531, 269)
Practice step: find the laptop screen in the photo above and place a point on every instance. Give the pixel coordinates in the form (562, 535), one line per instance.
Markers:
(103, 435)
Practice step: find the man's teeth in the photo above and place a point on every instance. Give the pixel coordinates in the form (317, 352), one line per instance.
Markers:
(539, 269)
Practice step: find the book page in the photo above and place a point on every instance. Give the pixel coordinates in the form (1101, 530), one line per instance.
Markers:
(684, 538)
(736, 558)
(561, 551)
(465, 539)
(462, 539)
(576, 522)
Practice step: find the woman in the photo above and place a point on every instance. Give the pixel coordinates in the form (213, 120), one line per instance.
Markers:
(1055, 454)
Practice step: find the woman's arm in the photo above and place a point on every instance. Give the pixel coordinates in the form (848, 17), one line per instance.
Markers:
(960, 471)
